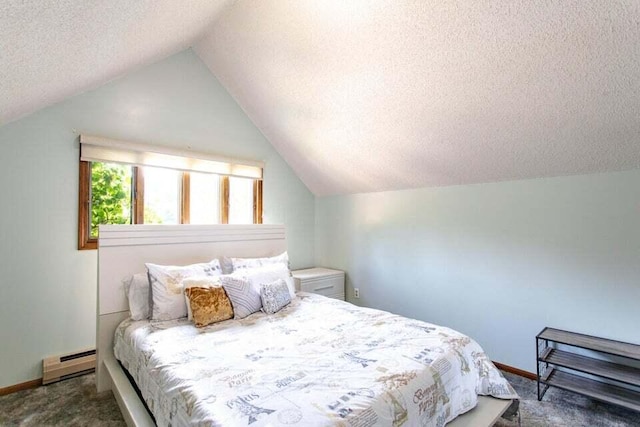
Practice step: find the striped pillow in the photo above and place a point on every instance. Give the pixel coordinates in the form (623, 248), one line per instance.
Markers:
(244, 297)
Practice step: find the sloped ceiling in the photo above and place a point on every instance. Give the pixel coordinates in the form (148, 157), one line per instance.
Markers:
(50, 50)
(365, 95)
(368, 95)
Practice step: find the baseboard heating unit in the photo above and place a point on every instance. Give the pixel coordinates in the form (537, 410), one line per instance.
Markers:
(58, 368)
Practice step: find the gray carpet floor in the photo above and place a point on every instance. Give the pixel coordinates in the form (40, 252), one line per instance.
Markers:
(561, 408)
(74, 402)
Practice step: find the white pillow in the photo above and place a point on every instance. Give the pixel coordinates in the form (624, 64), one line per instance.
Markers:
(137, 291)
(268, 274)
(238, 264)
(167, 300)
(198, 282)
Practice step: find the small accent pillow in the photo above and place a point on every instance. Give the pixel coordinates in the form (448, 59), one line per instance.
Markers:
(208, 305)
(249, 263)
(274, 296)
(137, 291)
(198, 282)
(167, 301)
(244, 297)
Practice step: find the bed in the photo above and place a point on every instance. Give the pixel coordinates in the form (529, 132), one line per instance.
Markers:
(318, 361)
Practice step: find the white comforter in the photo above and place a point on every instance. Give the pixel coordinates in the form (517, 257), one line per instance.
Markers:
(319, 361)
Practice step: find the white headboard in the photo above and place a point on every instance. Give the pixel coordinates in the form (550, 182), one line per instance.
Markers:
(124, 249)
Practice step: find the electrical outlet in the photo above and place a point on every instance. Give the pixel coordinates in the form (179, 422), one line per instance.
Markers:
(356, 292)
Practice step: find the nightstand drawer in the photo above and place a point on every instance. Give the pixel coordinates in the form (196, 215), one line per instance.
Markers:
(327, 286)
(322, 281)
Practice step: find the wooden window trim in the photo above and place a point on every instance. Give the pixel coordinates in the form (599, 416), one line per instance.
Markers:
(257, 201)
(185, 199)
(224, 205)
(85, 241)
(138, 195)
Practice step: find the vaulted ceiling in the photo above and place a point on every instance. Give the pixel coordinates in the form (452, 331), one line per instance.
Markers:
(51, 50)
(369, 95)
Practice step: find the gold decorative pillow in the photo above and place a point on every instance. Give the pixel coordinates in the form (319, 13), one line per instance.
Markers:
(209, 305)
(198, 282)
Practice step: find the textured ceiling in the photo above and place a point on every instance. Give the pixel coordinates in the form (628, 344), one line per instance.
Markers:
(366, 95)
(50, 50)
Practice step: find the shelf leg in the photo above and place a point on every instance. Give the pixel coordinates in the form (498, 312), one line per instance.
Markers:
(546, 367)
(538, 367)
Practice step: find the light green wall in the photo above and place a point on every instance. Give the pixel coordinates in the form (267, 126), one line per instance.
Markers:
(48, 289)
(496, 261)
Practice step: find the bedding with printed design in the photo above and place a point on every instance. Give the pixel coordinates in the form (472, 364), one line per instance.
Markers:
(318, 361)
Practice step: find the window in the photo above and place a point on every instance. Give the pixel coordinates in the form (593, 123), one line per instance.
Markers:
(162, 191)
(113, 192)
(204, 200)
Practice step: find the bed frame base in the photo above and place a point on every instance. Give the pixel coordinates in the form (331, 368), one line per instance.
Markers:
(486, 413)
(133, 410)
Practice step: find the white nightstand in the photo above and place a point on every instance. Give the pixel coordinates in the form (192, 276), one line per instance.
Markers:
(323, 281)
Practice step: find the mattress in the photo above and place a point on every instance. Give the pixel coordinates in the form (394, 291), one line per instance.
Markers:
(319, 361)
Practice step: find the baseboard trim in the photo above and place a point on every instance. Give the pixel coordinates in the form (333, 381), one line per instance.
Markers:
(20, 387)
(516, 371)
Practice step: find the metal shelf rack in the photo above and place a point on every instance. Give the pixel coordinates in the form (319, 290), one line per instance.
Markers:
(608, 381)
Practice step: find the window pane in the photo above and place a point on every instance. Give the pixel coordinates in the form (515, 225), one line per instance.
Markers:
(110, 195)
(240, 200)
(204, 200)
(161, 196)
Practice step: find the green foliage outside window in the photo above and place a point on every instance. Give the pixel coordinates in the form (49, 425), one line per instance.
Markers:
(110, 195)
(151, 216)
